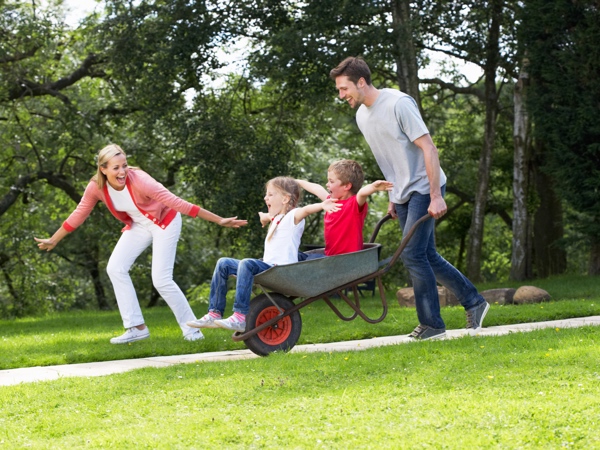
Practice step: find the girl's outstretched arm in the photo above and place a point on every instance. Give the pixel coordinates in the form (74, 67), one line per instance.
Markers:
(328, 205)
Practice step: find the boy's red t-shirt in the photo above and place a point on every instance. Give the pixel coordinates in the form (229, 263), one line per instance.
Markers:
(344, 229)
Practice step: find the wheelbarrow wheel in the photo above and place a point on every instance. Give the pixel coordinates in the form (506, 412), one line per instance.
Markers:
(283, 335)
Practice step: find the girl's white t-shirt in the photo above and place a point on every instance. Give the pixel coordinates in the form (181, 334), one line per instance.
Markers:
(122, 201)
(283, 246)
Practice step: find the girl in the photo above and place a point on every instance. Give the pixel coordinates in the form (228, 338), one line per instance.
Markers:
(281, 247)
(152, 215)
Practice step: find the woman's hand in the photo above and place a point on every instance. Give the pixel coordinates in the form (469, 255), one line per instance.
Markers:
(232, 222)
(45, 244)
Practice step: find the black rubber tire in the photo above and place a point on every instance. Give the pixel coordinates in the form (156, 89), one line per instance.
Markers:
(283, 336)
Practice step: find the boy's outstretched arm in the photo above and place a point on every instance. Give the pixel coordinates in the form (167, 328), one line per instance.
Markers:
(328, 205)
(365, 191)
(314, 189)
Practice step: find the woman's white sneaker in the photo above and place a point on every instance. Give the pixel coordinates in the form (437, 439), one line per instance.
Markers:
(195, 336)
(131, 335)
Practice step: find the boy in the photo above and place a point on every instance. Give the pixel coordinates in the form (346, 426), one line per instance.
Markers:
(344, 228)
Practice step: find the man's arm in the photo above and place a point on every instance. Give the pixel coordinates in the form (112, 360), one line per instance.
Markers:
(365, 191)
(314, 188)
(437, 207)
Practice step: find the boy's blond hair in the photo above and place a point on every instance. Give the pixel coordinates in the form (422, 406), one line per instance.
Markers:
(348, 171)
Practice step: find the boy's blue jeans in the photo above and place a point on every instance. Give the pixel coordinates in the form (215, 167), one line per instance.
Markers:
(245, 271)
(425, 265)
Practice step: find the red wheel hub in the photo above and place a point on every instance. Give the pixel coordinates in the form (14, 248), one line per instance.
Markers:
(277, 333)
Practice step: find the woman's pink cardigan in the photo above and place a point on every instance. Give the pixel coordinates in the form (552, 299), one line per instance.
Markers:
(153, 200)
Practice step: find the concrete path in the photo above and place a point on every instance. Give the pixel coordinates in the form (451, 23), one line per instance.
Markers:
(33, 374)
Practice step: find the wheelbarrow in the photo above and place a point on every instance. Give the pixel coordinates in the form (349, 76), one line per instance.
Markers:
(273, 322)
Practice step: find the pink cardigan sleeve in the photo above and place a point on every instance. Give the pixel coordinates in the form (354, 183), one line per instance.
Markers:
(91, 196)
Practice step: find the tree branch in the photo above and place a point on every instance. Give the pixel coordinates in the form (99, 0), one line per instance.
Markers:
(28, 88)
(19, 56)
(54, 179)
(495, 209)
(470, 90)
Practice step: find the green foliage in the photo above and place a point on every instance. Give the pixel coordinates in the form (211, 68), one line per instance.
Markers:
(137, 75)
(560, 39)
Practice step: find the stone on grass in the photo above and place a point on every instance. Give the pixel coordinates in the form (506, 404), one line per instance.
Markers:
(501, 296)
(530, 294)
(406, 297)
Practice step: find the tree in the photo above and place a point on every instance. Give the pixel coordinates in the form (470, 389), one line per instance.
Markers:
(521, 242)
(481, 33)
(561, 38)
(65, 94)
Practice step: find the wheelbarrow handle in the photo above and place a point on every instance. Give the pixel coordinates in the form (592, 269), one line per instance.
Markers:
(405, 240)
(378, 226)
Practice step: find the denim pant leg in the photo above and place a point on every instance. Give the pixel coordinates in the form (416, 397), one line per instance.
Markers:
(452, 279)
(443, 272)
(218, 286)
(247, 269)
(416, 259)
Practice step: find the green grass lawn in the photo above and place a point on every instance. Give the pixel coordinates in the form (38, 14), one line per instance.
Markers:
(76, 337)
(523, 390)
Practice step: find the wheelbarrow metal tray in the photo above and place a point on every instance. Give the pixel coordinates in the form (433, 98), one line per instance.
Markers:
(317, 276)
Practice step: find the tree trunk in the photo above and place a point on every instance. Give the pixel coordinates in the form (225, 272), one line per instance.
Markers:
(485, 160)
(549, 257)
(594, 268)
(154, 298)
(406, 55)
(520, 241)
(99, 288)
(92, 265)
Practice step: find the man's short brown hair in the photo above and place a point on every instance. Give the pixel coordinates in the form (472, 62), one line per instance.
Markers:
(348, 171)
(354, 68)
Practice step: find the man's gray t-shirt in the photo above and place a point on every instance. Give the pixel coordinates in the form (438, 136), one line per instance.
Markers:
(390, 125)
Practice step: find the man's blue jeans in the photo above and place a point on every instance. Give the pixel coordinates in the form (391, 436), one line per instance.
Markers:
(425, 265)
(245, 270)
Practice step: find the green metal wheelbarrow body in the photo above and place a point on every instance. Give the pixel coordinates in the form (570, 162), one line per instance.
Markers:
(317, 276)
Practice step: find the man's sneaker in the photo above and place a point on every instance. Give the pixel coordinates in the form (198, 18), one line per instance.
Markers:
(425, 333)
(207, 321)
(475, 317)
(231, 323)
(195, 336)
(131, 335)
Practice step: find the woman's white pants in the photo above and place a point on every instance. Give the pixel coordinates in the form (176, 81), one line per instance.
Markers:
(164, 246)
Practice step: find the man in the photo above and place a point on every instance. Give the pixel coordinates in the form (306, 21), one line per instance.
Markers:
(393, 127)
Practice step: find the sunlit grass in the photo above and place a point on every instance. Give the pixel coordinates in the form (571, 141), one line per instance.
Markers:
(77, 337)
(524, 390)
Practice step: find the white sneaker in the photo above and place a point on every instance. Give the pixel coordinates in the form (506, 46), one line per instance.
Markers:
(231, 323)
(207, 321)
(131, 335)
(195, 336)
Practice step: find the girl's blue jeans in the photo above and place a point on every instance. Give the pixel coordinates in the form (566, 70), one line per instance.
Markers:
(426, 266)
(245, 270)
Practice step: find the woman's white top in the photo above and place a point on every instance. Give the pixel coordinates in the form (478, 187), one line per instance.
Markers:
(122, 201)
(282, 247)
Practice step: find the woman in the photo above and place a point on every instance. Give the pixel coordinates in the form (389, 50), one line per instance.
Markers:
(152, 216)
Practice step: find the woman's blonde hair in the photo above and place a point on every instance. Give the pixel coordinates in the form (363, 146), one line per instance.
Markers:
(286, 186)
(104, 156)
